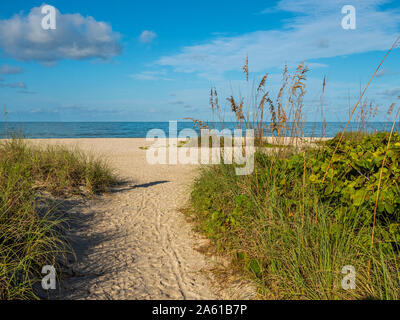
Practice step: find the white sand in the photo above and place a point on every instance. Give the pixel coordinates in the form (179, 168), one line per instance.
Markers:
(134, 243)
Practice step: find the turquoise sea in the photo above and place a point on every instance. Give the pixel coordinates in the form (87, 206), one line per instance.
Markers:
(35, 130)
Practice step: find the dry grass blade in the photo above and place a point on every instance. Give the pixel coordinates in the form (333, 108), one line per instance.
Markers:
(261, 86)
(379, 188)
(390, 110)
(198, 123)
(246, 68)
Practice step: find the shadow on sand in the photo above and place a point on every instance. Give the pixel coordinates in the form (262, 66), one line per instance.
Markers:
(83, 268)
(127, 185)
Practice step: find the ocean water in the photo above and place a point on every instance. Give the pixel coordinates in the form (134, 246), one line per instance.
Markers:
(37, 130)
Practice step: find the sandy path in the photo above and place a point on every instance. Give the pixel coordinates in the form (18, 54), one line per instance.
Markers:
(133, 243)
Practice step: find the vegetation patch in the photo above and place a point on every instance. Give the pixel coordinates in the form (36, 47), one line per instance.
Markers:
(293, 234)
(308, 211)
(30, 234)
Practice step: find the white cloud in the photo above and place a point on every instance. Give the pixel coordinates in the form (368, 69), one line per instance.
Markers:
(151, 75)
(386, 73)
(381, 73)
(26, 92)
(147, 36)
(313, 34)
(391, 92)
(312, 7)
(7, 69)
(75, 37)
(20, 85)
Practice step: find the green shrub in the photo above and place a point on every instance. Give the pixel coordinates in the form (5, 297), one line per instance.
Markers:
(292, 234)
(352, 180)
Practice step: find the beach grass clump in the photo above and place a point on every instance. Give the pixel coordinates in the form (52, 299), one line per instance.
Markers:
(292, 235)
(311, 212)
(30, 229)
(58, 169)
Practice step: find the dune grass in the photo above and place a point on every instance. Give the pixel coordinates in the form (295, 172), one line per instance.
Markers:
(30, 232)
(307, 212)
(281, 231)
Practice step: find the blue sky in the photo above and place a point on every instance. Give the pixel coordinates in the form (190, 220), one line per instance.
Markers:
(156, 61)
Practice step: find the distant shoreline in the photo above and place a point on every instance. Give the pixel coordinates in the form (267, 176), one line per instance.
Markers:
(144, 140)
(79, 130)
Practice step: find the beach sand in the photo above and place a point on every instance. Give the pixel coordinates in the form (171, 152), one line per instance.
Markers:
(134, 243)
